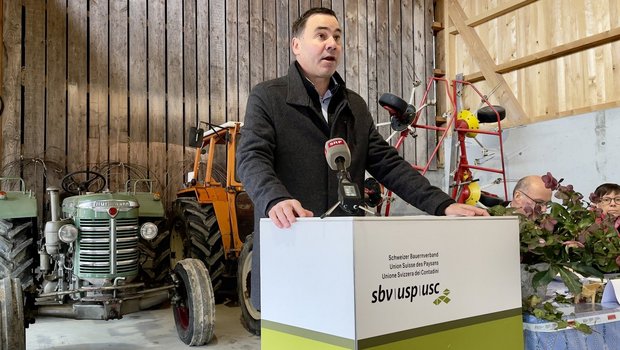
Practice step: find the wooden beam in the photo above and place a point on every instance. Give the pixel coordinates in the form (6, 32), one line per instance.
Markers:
(605, 37)
(442, 63)
(576, 111)
(479, 52)
(436, 26)
(493, 14)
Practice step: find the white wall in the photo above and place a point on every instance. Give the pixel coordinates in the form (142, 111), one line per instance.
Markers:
(583, 149)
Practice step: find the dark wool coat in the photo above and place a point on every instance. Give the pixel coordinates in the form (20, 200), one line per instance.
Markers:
(280, 154)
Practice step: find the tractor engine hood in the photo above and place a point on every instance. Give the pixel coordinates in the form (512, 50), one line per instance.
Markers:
(99, 202)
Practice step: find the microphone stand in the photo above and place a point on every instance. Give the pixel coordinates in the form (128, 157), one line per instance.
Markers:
(349, 198)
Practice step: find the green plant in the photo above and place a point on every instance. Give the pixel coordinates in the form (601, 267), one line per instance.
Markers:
(572, 237)
(548, 312)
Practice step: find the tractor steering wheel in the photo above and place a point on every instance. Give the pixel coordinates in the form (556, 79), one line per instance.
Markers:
(93, 182)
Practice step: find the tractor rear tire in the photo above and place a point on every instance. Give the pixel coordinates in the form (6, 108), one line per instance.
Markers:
(250, 316)
(17, 249)
(155, 256)
(195, 234)
(194, 303)
(12, 329)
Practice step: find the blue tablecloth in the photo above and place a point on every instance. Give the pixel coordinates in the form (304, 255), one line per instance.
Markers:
(604, 319)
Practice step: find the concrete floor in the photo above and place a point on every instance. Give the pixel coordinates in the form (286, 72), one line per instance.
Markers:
(152, 329)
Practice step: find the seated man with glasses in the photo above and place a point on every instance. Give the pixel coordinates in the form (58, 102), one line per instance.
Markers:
(530, 191)
(607, 198)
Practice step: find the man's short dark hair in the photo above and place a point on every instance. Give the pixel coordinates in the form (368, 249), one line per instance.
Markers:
(300, 24)
(607, 188)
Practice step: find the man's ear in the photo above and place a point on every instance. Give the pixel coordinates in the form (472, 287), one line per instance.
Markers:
(295, 45)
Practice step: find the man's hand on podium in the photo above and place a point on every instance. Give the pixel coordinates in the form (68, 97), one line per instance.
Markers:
(459, 209)
(285, 213)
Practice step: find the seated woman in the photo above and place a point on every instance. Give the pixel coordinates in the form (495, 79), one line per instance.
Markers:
(607, 198)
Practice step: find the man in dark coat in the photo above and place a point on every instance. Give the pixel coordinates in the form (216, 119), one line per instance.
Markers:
(280, 155)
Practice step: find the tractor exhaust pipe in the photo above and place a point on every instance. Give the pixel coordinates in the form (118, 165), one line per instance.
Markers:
(52, 226)
(54, 202)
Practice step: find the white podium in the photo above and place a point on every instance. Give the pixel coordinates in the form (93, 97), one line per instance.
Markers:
(419, 282)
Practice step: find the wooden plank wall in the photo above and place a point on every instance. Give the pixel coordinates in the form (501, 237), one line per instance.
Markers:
(1, 66)
(117, 82)
(571, 84)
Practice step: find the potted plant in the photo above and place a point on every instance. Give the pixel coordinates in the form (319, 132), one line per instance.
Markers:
(572, 240)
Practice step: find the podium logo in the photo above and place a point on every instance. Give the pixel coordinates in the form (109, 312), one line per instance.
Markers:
(403, 293)
(443, 298)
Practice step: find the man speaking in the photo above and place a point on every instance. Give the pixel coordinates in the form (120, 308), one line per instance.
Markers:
(280, 155)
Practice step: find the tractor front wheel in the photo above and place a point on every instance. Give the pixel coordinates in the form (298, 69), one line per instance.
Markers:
(193, 302)
(12, 329)
(250, 316)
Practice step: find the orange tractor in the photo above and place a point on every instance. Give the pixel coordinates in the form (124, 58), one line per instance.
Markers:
(213, 218)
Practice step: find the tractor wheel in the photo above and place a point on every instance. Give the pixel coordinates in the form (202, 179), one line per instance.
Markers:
(250, 316)
(193, 303)
(155, 256)
(12, 330)
(17, 250)
(195, 234)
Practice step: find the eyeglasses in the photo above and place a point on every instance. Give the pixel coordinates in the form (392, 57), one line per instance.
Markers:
(608, 200)
(537, 201)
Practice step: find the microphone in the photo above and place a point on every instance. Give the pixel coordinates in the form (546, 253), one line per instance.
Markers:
(337, 154)
(338, 157)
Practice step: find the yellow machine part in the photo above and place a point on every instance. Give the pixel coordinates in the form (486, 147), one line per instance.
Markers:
(474, 193)
(471, 120)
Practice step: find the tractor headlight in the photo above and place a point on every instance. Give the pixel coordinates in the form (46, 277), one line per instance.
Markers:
(148, 230)
(67, 233)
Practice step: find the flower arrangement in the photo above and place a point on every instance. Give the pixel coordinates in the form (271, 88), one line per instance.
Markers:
(571, 240)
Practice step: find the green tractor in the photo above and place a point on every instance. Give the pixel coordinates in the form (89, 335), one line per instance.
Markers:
(93, 262)
(18, 235)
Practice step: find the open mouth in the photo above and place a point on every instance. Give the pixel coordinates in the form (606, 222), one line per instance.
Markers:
(329, 58)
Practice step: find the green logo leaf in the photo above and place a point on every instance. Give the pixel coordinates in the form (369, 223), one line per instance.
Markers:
(444, 298)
